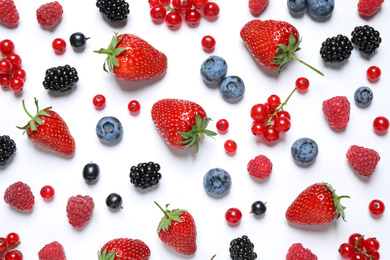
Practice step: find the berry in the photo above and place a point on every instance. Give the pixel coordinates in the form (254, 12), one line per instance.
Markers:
(336, 49)
(376, 207)
(59, 46)
(158, 13)
(213, 70)
(346, 250)
(99, 101)
(7, 47)
(320, 9)
(273, 102)
(145, 175)
(260, 167)
(222, 125)
(357, 240)
(20, 73)
(114, 201)
(242, 248)
(366, 38)
(13, 255)
(373, 73)
(371, 245)
(192, 18)
(297, 6)
(363, 96)
(259, 113)
(182, 5)
(173, 20)
(257, 6)
(60, 79)
(283, 113)
(7, 149)
(230, 147)
(3, 245)
(53, 250)
(153, 3)
(282, 125)
(165, 2)
(271, 134)
(217, 182)
(358, 256)
(302, 84)
(381, 125)
(304, 151)
(115, 11)
(20, 196)
(78, 41)
(79, 210)
(211, 11)
(258, 128)
(47, 192)
(91, 172)
(9, 14)
(5, 66)
(232, 88)
(15, 60)
(16, 84)
(49, 14)
(12, 239)
(109, 130)
(258, 208)
(336, 111)
(199, 4)
(298, 252)
(208, 43)
(134, 107)
(124, 248)
(363, 160)
(369, 7)
(233, 216)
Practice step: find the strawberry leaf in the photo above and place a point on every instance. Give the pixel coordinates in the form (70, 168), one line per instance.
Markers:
(169, 216)
(336, 200)
(104, 256)
(112, 52)
(36, 118)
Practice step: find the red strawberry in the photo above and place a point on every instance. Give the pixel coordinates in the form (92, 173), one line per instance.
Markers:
(47, 129)
(124, 249)
(336, 111)
(260, 167)
(52, 251)
(49, 14)
(257, 6)
(132, 58)
(9, 15)
(272, 43)
(369, 7)
(363, 160)
(20, 196)
(177, 230)
(79, 210)
(318, 204)
(180, 122)
(298, 252)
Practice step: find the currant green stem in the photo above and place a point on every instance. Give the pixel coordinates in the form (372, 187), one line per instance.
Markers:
(359, 250)
(9, 249)
(279, 108)
(301, 61)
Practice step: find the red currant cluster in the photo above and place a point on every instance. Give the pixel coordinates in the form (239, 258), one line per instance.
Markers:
(11, 74)
(7, 245)
(360, 248)
(172, 12)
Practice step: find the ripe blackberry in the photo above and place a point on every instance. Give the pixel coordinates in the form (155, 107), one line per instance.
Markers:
(242, 248)
(336, 49)
(60, 79)
(145, 175)
(114, 10)
(7, 149)
(366, 38)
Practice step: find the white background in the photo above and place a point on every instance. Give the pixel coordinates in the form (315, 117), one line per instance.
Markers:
(183, 172)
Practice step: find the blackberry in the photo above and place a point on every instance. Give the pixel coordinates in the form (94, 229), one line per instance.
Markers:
(60, 79)
(366, 38)
(7, 149)
(145, 175)
(242, 248)
(336, 49)
(114, 10)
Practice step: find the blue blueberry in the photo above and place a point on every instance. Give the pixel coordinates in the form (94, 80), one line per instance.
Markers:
(217, 182)
(232, 88)
(320, 8)
(304, 151)
(297, 6)
(363, 96)
(213, 69)
(109, 130)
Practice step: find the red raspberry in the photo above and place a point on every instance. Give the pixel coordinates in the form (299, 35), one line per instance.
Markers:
(363, 160)
(369, 7)
(20, 196)
(260, 167)
(79, 210)
(257, 6)
(54, 250)
(336, 111)
(8, 12)
(298, 252)
(49, 14)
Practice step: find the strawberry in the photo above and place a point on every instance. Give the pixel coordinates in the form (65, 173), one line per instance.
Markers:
(272, 43)
(257, 6)
(363, 160)
(9, 14)
(47, 129)
(177, 230)
(318, 204)
(133, 59)
(52, 251)
(336, 111)
(124, 249)
(298, 252)
(369, 7)
(180, 122)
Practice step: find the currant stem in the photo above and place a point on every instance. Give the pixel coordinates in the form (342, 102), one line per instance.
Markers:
(301, 61)
(279, 108)
(359, 250)
(9, 249)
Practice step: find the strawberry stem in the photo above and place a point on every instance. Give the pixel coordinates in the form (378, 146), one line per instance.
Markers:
(301, 61)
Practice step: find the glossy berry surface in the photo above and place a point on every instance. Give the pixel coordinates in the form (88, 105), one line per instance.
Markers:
(134, 107)
(7, 47)
(346, 250)
(16, 84)
(192, 18)
(273, 102)
(222, 125)
(15, 59)
(59, 46)
(211, 11)
(363, 96)
(109, 130)
(99, 101)
(233, 216)
(199, 4)
(371, 245)
(173, 20)
(5, 66)
(230, 147)
(3, 245)
(208, 43)
(282, 124)
(258, 128)
(304, 151)
(182, 5)
(302, 84)
(114, 201)
(91, 172)
(158, 13)
(381, 125)
(270, 134)
(259, 113)
(78, 41)
(357, 240)
(14, 255)
(153, 3)
(217, 182)
(373, 73)
(258, 208)
(145, 175)
(232, 88)
(47, 192)
(376, 207)
(213, 69)
(12, 239)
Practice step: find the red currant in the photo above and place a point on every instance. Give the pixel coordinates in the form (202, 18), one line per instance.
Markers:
(14, 255)
(165, 2)
(158, 13)
(19, 73)
(5, 66)
(211, 11)
(134, 107)
(354, 238)
(99, 101)
(7, 47)
(375, 256)
(47, 192)
(371, 244)
(199, 4)
(192, 18)
(12, 239)
(346, 250)
(258, 128)
(381, 125)
(16, 84)
(182, 5)
(15, 60)
(59, 46)
(4, 80)
(3, 245)
(282, 124)
(373, 73)
(271, 134)
(222, 125)
(259, 113)
(153, 3)
(233, 216)
(376, 207)
(208, 43)
(273, 102)
(302, 84)
(283, 113)
(230, 147)
(173, 20)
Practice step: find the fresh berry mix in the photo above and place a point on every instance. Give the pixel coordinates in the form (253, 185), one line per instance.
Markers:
(376, 207)
(8, 245)
(99, 101)
(233, 216)
(257, 6)
(366, 38)
(336, 49)
(298, 252)
(79, 210)
(363, 96)
(60, 79)
(78, 41)
(47, 192)
(59, 46)
(7, 149)
(369, 7)
(131, 248)
(217, 182)
(145, 175)
(381, 125)
(337, 111)
(115, 11)
(358, 247)
(363, 160)
(304, 151)
(230, 147)
(91, 173)
(53, 250)
(114, 201)
(109, 130)
(49, 14)
(9, 14)
(258, 208)
(260, 167)
(242, 248)
(20, 196)
(373, 73)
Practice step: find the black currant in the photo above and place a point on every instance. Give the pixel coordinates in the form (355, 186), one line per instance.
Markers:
(91, 172)
(114, 201)
(78, 40)
(258, 208)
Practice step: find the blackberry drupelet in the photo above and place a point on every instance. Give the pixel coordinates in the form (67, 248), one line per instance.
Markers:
(242, 248)
(114, 10)
(366, 38)
(7, 149)
(145, 175)
(336, 49)
(60, 79)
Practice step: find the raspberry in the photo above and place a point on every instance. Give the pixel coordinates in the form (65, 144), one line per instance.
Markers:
(8, 12)
(51, 251)
(20, 196)
(298, 252)
(79, 210)
(49, 14)
(260, 167)
(257, 6)
(363, 160)
(336, 111)
(369, 7)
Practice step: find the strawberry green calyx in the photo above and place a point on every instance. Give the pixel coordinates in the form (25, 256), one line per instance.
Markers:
(197, 132)
(286, 52)
(112, 52)
(34, 119)
(336, 200)
(169, 216)
(106, 256)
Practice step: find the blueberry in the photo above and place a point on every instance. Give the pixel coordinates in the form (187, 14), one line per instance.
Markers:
(232, 88)
(304, 151)
(213, 69)
(320, 8)
(217, 182)
(109, 130)
(297, 6)
(363, 96)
